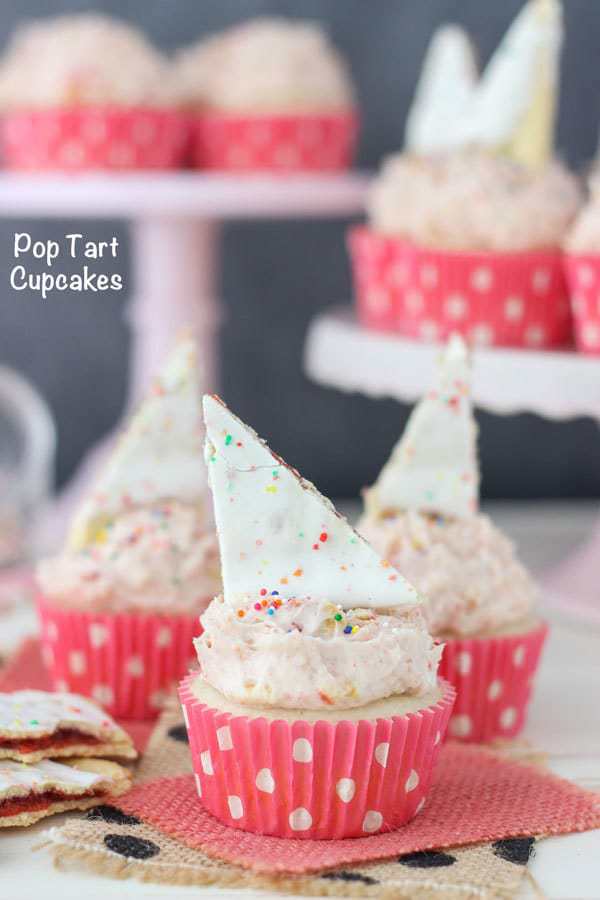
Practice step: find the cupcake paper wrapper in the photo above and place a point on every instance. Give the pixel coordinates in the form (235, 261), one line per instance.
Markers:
(493, 680)
(501, 299)
(128, 663)
(319, 780)
(583, 276)
(83, 139)
(292, 143)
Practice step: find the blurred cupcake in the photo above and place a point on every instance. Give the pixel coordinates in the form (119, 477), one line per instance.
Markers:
(582, 263)
(422, 515)
(270, 94)
(465, 227)
(317, 712)
(86, 91)
(119, 606)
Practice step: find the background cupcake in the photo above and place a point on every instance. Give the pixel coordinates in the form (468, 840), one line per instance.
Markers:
(582, 263)
(87, 92)
(421, 514)
(317, 712)
(465, 227)
(119, 607)
(270, 94)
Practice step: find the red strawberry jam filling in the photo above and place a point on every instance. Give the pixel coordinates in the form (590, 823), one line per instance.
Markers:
(64, 737)
(34, 802)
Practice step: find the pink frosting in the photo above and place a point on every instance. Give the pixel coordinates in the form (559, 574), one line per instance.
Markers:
(473, 201)
(157, 558)
(466, 570)
(312, 654)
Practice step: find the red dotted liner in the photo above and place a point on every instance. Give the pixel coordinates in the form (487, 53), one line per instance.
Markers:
(74, 140)
(129, 663)
(293, 143)
(583, 275)
(318, 780)
(493, 679)
(510, 299)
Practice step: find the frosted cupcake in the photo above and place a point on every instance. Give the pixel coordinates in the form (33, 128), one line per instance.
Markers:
(582, 262)
(270, 94)
(465, 227)
(119, 606)
(422, 515)
(85, 92)
(317, 712)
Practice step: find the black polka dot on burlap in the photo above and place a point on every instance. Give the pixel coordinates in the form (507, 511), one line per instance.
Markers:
(355, 877)
(514, 850)
(112, 815)
(179, 733)
(427, 859)
(131, 847)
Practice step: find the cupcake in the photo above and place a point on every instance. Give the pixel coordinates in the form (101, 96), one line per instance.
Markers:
(422, 514)
(582, 264)
(317, 711)
(465, 227)
(86, 91)
(119, 606)
(268, 95)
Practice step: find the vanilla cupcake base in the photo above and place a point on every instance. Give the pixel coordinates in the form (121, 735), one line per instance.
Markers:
(314, 774)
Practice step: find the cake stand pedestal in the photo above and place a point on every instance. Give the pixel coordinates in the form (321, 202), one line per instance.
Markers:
(175, 221)
(559, 385)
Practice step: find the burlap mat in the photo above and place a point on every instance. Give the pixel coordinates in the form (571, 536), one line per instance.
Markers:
(111, 843)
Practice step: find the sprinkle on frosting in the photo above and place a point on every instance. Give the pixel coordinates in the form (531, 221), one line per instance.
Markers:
(291, 537)
(434, 467)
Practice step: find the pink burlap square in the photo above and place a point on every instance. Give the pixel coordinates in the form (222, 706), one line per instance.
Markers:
(477, 796)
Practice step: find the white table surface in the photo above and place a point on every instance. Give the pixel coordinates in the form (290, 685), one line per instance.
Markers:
(564, 721)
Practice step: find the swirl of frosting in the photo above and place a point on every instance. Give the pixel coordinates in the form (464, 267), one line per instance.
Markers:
(304, 653)
(155, 558)
(473, 201)
(83, 59)
(265, 66)
(465, 568)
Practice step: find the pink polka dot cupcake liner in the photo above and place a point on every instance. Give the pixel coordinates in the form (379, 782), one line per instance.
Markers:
(583, 276)
(88, 138)
(129, 663)
(317, 780)
(282, 143)
(496, 299)
(493, 679)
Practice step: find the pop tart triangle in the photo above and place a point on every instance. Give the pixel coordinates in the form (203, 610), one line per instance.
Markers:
(433, 467)
(278, 534)
(158, 457)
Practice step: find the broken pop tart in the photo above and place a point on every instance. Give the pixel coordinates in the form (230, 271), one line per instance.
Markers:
(37, 725)
(32, 792)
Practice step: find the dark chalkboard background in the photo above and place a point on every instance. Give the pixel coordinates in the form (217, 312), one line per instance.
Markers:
(277, 275)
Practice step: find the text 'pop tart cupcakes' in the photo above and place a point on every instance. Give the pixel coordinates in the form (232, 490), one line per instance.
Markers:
(119, 607)
(87, 91)
(268, 95)
(317, 712)
(465, 226)
(422, 515)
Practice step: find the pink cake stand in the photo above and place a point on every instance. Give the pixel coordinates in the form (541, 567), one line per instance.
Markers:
(558, 385)
(175, 223)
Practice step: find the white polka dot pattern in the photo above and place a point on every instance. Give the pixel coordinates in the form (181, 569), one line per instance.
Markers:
(302, 750)
(300, 819)
(521, 303)
(78, 139)
(287, 143)
(345, 789)
(372, 821)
